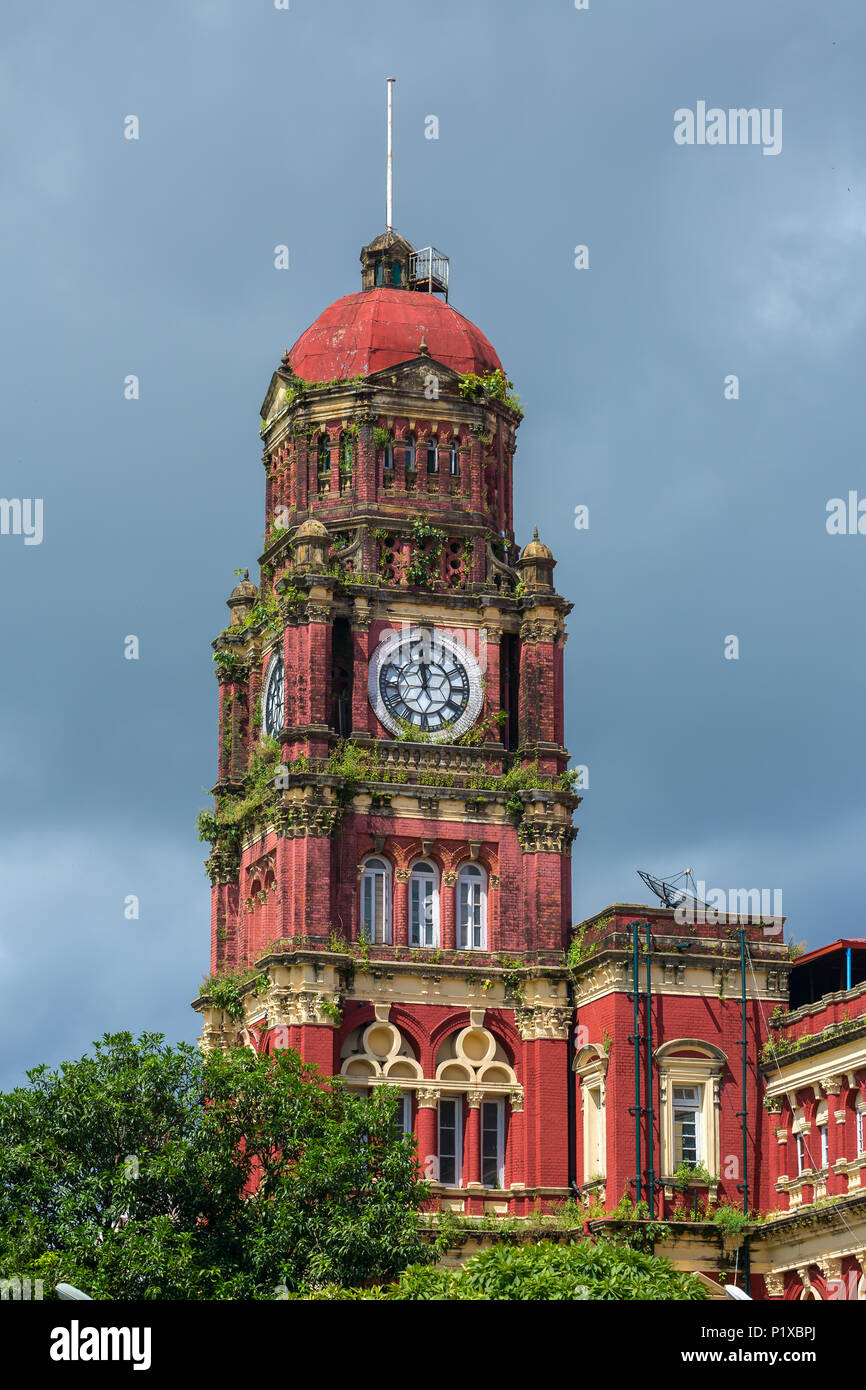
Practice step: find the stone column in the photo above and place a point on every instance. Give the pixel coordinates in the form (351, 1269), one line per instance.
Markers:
(401, 907)
(514, 1147)
(425, 1124)
(447, 911)
(361, 619)
(831, 1086)
(472, 1149)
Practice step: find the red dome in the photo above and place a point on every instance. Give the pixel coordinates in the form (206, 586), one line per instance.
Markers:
(365, 332)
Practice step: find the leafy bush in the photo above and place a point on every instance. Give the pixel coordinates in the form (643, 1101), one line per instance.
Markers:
(543, 1271)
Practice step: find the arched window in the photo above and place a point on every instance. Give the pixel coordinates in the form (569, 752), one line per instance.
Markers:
(347, 451)
(453, 460)
(861, 1128)
(410, 453)
(821, 1119)
(471, 909)
(423, 905)
(324, 455)
(396, 273)
(432, 457)
(388, 457)
(376, 902)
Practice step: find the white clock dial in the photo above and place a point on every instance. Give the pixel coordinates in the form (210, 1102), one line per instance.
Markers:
(274, 698)
(427, 680)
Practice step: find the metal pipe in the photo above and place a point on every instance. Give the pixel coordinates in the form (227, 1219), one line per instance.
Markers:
(651, 1177)
(571, 1099)
(745, 1073)
(634, 984)
(746, 1250)
(389, 192)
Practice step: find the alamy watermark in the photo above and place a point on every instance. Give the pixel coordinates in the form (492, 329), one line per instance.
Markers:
(737, 126)
(22, 516)
(713, 906)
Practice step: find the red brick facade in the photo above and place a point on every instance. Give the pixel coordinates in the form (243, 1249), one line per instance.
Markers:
(513, 1029)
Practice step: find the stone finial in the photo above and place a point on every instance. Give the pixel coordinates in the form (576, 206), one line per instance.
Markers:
(312, 543)
(241, 599)
(536, 564)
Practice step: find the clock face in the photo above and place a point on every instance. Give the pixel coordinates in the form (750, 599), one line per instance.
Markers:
(275, 697)
(426, 680)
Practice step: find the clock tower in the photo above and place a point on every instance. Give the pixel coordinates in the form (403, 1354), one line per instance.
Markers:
(390, 849)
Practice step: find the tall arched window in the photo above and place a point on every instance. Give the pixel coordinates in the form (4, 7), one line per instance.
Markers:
(388, 457)
(432, 457)
(471, 909)
(424, 904)
(323, 453)
(410, 453)
(453, 460)
(376, 901)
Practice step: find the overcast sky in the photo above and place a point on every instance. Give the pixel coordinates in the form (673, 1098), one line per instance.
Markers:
(155, 257)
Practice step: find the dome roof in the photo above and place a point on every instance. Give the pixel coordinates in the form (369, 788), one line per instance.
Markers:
(366, 332)
(536, 550)
(244, 590)
(312, 527)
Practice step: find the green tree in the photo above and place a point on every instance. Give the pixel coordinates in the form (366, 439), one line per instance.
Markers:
(150, 1171)
(541, 1271)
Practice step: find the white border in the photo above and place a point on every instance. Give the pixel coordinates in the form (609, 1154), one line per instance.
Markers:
(274, 658)
(388, 644)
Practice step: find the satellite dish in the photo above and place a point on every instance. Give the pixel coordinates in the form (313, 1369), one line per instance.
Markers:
(672, 890)
(739, 1295)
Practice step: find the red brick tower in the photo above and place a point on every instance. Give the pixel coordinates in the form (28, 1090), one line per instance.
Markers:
(391, 847)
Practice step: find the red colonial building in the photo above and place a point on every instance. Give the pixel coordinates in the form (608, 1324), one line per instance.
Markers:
(391, 845)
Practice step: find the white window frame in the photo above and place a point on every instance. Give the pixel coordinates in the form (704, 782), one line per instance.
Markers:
(476, 878)
(496, 1103)
(594, 1136)
(424, 871)
(861, 1130)
(373, 867)
(704, 1069)
(801, 1153)
(453, 460)
(693, 1105)
(824, 1140)
(457, 1102)
(404, 1112)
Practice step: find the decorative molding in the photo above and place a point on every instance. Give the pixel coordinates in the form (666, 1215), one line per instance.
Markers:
(775, 1284)
(546, 837)
(543, 1021)
(427, 1097)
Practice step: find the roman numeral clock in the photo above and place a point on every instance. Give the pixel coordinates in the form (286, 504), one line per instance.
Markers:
(425, 680)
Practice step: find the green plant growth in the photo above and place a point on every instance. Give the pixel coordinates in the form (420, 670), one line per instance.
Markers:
(425, 555)
(495, 386)
(540, 1271)
(147, 1171)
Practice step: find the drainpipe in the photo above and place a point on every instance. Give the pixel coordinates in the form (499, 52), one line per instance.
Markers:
(636, 1041)
(651, 1177)
(848, 963)
(571, 1099)
(744, 1046)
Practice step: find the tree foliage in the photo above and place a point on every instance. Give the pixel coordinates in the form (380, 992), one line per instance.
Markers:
(147, 1171)
(541, 1272)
